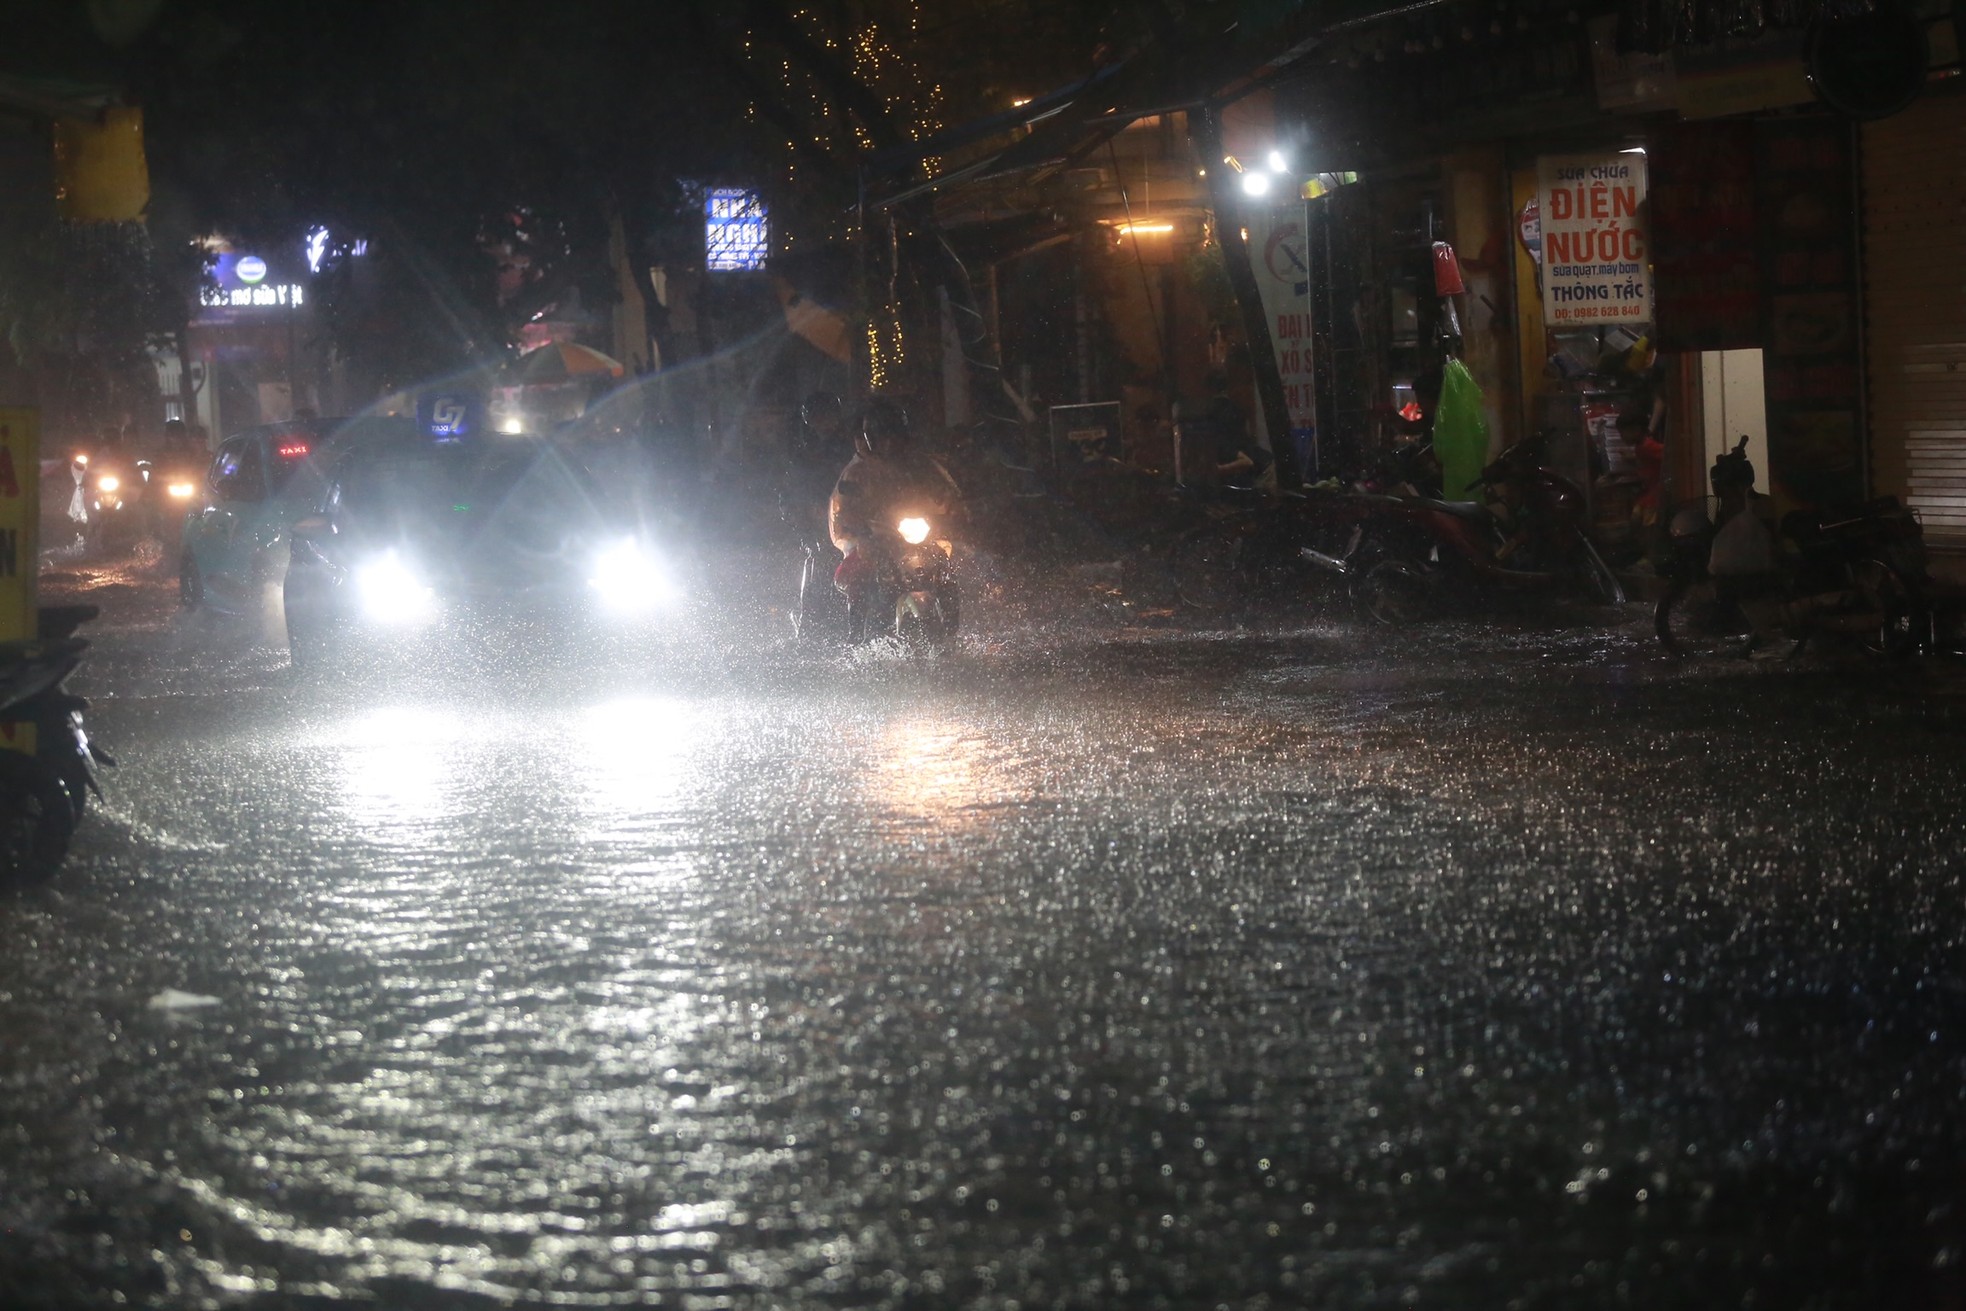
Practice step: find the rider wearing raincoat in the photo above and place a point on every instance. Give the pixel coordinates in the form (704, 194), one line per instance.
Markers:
(888, 476)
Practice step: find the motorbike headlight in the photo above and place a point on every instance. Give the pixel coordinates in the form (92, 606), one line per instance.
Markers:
(629, 579)
(109, 482)
(183, 491)
(82, 458)
(913, 531)
(391, 592)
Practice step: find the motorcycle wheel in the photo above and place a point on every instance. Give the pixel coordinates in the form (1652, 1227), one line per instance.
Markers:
(190, 584)
(1604, 584)
(74, 778)
(1205, 567)
(1394, 593)
(1693, 619)
(36, 820)
(1901, 626)
(920, 634)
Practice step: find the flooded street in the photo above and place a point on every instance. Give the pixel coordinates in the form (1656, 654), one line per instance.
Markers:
(1481, 965)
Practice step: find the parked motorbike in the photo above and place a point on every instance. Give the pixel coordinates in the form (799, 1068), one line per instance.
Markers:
(1528, 534)
(913, 597)
(47, 766)
(1856, 572)
(1245, 544)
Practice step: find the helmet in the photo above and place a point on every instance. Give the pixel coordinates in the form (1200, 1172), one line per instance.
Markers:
(884, 427)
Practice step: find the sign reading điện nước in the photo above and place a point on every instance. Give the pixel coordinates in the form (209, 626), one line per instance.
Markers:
(1596, 255)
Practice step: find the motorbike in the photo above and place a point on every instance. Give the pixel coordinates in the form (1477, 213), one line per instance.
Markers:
(1243, 544)
(120, 498)
(1855, 571)
(1527, 535)
(171, 482)
(108, 493)
(913, 597)
(47, 766)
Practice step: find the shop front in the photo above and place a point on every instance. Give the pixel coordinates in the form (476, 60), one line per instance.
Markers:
(1648, 258)
(1914, 182)
(251, 348)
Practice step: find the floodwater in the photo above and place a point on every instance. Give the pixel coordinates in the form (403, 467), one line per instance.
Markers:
(1103, 963)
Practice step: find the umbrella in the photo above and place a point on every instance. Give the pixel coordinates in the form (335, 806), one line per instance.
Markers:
(563, 361)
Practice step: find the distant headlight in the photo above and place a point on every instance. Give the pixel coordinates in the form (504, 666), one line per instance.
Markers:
(391, 592)
(914, 531)
(182, 491)
(628, 579)
(109, 482)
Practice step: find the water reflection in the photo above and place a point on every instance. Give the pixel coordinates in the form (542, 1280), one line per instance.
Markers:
(636, 755)
(399, 769)
(932, 771)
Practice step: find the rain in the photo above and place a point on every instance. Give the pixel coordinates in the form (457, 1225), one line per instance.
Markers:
(993, 655)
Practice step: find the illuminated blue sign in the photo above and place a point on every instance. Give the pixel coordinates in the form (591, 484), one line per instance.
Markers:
(450, 416)
(251, 270)
(736, 233)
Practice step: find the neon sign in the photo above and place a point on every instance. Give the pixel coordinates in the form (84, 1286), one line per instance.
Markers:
(259, 297)
(736, 229)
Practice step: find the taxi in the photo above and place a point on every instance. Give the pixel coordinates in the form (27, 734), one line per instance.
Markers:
(437, 534)
(233, 549)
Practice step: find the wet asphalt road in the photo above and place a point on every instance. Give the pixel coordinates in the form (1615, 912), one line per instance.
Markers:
(1099, 965)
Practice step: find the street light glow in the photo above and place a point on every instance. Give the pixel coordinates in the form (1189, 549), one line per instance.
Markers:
(1278, 164)
(1256, 184)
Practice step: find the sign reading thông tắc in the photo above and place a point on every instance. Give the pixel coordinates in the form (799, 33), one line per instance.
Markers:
(1596, 260)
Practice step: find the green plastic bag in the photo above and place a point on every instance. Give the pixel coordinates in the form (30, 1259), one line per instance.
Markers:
(1460, 433)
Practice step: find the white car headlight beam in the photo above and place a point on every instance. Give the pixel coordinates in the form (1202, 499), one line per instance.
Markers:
(628, 579)
(391, 593)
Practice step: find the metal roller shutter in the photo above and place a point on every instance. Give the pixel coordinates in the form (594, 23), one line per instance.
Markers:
(1914, 174)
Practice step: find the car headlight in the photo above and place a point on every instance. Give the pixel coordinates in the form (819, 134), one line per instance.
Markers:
(183, 491)
(109, 482)
(628, 579)
(914, 531)
(392, 593)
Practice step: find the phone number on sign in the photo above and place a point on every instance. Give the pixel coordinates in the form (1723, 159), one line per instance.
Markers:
(1612, 313)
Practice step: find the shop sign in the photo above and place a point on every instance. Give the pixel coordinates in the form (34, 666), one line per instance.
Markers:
(1628, 79)
(20, 520)
(736, 229)
(260, 297)
(1595, 252)
(1529, 229)
(1279, 247)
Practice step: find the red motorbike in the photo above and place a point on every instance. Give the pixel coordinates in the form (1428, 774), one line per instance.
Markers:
(1408, 554)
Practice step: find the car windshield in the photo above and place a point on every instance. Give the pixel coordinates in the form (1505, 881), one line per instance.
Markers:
(443, 487)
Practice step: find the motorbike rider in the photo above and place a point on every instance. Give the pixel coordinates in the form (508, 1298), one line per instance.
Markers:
(888, 475)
